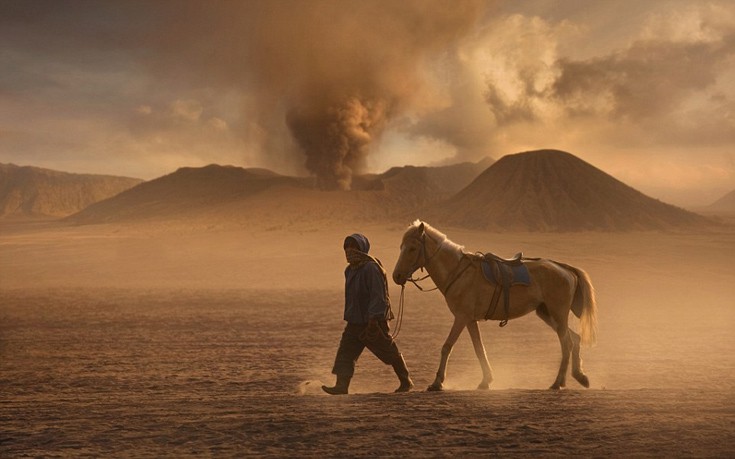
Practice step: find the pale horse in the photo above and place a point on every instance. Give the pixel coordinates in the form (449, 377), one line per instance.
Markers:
(554, 290)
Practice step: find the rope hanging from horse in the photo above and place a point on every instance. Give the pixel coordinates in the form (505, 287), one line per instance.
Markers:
(399, 316)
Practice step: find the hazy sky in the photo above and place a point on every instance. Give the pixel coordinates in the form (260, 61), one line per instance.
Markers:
(643, 90)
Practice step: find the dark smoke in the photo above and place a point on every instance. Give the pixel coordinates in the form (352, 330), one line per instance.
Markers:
(336, 139)
(331, 74)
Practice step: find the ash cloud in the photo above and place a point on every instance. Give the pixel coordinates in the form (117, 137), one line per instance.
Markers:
(328, 87)
(671, 88)
(336, 139)
(649, 79)
(514, 86)
(331, 74)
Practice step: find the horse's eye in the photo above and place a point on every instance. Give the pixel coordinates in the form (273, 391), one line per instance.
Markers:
(412, 249)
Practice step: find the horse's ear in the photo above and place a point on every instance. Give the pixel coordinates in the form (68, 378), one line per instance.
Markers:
(421, 229)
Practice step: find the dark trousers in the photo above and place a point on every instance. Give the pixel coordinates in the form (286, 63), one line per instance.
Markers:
(355, 338)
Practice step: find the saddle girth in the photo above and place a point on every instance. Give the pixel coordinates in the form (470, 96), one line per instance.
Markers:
(504, 274)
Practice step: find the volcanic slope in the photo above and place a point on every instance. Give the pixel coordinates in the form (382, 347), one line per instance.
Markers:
(27, 191)
(404, 189)
(724, 204)
(228, 195)
(551, 190)
(185, 193)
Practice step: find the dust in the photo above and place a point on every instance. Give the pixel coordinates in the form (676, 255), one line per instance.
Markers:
(310, 387)
(160, 343)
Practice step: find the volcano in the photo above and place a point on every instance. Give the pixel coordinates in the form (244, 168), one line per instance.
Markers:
(187, 191)
(234, 195)
(551, 190)
(27, 191)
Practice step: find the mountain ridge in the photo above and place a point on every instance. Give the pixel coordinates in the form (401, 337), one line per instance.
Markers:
(219, 192)
(29, 191)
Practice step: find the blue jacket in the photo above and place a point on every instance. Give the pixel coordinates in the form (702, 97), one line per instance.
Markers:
(366, 289)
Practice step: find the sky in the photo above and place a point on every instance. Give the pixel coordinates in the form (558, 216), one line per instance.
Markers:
(643, 90)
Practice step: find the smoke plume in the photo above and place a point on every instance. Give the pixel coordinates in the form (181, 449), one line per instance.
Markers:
(332, 75)
(336, 139)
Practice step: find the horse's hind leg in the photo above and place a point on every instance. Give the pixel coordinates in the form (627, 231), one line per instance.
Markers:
(577, 371)
(487, 373)
(565, 339)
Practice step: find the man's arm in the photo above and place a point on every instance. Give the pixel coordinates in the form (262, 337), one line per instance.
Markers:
(378, 304)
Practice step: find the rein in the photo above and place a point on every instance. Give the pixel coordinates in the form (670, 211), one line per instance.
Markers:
(456, 274)
(402, 297)
(415, 281)
(399, 316)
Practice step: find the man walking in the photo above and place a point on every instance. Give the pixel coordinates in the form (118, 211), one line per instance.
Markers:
(367, 312)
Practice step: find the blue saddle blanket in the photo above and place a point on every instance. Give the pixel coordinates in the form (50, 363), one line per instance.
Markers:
(517, 274)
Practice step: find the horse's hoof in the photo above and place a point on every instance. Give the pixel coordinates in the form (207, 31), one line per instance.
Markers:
(555, 386)
(435, 388)
(582, 379)
(483, 386)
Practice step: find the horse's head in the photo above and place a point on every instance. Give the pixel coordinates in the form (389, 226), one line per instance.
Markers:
(413, 253)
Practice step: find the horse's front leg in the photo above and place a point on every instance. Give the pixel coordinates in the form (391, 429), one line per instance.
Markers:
(459, 324)
(487, 372)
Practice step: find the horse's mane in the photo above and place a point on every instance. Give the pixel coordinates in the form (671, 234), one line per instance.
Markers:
(436, 235)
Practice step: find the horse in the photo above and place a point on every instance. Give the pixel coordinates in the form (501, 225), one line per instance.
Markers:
(554, 290)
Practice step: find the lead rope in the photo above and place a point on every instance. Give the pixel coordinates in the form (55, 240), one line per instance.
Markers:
(399, 316)
(415, 282)
(402, 301)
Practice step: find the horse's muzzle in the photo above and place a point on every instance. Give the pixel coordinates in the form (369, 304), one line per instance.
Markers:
(399, 278)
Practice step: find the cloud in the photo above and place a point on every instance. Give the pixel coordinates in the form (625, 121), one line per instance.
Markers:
(318, 86)
(185, 127)
(648, 79)
(332, 75)
(186, 110)
(502, 75)
(700, 22)
(665, 87)
(657, 89)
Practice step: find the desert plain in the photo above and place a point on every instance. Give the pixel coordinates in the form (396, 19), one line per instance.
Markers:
(177, 179)
(153, 340)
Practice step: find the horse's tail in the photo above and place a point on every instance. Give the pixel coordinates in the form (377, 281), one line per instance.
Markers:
(584, 305)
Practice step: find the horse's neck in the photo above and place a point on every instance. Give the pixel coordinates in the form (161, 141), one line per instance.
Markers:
(446, 257)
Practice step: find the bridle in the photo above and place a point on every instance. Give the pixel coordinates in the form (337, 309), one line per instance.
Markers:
(457, 272)
(453, 275)
(417, 265)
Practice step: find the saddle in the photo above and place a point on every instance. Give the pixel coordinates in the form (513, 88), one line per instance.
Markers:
(503, 273)
(515, 261)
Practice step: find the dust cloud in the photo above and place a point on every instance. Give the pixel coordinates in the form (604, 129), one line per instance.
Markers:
(172, 339)
(331, 75)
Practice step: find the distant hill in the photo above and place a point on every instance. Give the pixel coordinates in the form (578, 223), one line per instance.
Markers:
(410, 187)
(233, 195)
(188, 190)
(724, 204)
(551, 190)
(27, 191)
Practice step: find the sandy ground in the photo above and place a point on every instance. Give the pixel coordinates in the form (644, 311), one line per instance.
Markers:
(157, 342)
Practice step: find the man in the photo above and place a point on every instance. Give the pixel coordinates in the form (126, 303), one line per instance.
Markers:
(367, 311)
